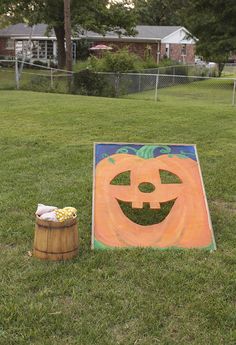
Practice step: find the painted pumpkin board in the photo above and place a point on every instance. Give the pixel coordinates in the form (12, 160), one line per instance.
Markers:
(147, 195)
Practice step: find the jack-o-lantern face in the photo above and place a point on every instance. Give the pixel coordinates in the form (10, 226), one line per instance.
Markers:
(186, 222)
(142, 202)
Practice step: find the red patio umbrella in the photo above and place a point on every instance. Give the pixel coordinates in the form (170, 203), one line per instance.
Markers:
(100, 47)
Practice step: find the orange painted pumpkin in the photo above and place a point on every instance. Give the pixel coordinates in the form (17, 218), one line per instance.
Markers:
(186, 225)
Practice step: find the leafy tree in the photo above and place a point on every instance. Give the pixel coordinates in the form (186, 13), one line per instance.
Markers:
(159, 12)
(68, 32)
(97, 15)
(213, 23)
(4, 21)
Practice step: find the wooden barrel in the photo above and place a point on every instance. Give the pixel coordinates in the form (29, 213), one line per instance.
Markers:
(54, 240)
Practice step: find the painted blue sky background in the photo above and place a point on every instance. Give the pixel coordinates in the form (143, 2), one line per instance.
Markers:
(103, 151)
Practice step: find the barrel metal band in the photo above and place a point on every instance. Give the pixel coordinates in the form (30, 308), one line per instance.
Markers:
(55, 227)
(42, 251)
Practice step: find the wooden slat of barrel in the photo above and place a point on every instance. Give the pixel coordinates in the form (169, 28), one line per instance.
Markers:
(70, 239)
(54, 240)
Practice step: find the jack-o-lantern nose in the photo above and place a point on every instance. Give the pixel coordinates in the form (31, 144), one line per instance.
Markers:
(146, 187)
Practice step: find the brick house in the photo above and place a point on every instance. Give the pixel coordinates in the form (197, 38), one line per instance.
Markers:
(14, 40)
(173, 42)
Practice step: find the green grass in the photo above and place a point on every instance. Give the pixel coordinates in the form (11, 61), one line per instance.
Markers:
(34, 80)
(229, 71)
(7, 79)
(206, 92)
(139, 296)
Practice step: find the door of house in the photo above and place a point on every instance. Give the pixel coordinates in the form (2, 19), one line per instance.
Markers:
(167, 50)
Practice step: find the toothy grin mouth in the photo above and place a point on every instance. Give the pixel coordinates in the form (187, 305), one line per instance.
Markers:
(146, 215)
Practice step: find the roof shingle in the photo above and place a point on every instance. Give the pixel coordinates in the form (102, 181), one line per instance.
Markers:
(144, 32)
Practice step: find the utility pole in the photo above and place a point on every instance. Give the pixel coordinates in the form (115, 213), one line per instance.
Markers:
(67, 23)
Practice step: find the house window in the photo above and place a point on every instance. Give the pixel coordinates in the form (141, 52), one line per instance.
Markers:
(21, 48)
(49, 49)
(148, 52)
(167, 52)
(184, 49)
(18, 48)
(42, 49)
(34, 49)
(10, 44)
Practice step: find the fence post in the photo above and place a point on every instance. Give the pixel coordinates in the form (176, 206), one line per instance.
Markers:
(139, 82)
(17, 74)
(173, 77)
(233, 98)
(117, 84)
(52, 78)
(157, 81)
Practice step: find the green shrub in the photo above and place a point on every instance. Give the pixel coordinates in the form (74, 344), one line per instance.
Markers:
(37, 83)
(180, 70)
(167, 62)
(83, 49)
(149, 62)
(39, 63)
(42, 83)
(53, 64)
(88, 83)
(93, 63)
(7, 64)
(118, 62)
(81, 65)
(96, 64)
(121, 61)
(213, 72)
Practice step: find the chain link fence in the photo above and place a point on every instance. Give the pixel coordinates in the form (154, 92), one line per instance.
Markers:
(158, 86)
(165, 87)
(229, 70)
(27, 76)
(201, 70)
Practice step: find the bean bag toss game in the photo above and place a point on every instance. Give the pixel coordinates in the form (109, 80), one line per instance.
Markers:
(147, 195)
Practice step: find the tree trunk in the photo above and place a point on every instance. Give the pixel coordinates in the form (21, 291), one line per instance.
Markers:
(221, 66)
(67, 21)
(61, 52)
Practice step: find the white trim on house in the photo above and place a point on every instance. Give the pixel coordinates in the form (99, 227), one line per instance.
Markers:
(34, 38)
(182, 39)
(92, 38)
(119, 39)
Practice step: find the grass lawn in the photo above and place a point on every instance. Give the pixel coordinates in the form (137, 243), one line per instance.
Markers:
(34, 80)
(7, 78)
(206, 92)
(138, 296)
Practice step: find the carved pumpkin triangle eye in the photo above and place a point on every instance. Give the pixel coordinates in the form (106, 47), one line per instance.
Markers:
(168, 177)
(123, 179)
